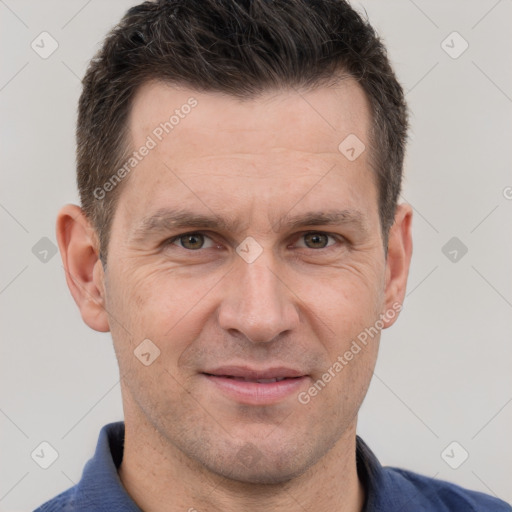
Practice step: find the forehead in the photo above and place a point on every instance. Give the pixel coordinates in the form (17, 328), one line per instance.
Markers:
(310, 121)
(221, 153)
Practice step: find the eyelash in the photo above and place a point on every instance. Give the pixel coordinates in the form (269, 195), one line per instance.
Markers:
(338, 238)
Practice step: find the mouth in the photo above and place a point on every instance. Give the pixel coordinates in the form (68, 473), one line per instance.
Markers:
(256, 387)
(249, 379)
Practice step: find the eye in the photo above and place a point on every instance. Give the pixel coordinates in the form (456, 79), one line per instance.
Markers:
(191, 241)
(317, 240)
(195, 241)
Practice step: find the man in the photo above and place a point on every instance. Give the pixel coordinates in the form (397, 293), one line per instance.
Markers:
(239, 164)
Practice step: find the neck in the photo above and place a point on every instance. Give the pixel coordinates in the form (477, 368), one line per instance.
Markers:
(159, 477)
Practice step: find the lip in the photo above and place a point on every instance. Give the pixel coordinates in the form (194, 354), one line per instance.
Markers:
(228, 381)
(255, 373)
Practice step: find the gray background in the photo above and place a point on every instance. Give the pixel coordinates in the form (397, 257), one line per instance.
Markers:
(444, 368)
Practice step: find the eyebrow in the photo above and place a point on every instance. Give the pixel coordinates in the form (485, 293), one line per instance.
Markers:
(165, 220)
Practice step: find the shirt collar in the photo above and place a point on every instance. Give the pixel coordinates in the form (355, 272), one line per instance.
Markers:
(385, 491)
(100, 484)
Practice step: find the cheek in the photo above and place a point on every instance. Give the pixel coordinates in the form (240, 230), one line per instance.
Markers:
(349, 299)
(152, 296)
(343, 314)
(336, 394)
(158, 305)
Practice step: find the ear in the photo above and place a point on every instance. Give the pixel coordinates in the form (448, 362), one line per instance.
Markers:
(78, 244)
(397, 263)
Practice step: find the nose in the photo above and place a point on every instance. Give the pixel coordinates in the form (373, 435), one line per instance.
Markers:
(258, 303)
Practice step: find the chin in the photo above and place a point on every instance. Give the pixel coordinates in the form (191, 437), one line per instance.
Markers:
(260, 466)
(269, 475)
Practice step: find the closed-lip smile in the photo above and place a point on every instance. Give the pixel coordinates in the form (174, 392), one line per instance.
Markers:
(257, 386)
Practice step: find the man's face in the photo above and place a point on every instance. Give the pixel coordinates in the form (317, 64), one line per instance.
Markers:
(290, 297)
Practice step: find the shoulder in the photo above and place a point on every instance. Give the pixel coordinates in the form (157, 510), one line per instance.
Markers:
(442, 496)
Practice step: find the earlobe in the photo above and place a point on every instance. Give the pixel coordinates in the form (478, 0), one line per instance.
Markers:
(398, 262)
(84, 272)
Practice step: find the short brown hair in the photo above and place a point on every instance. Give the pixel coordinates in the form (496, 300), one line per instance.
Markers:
(243, 48)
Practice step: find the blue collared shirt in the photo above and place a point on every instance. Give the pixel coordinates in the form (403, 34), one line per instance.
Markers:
(387, 489)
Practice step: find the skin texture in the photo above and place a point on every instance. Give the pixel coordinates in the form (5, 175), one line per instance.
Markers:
(299, 304)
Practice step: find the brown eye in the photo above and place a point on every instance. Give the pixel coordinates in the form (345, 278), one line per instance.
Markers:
(317, 240)
(191, 241)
